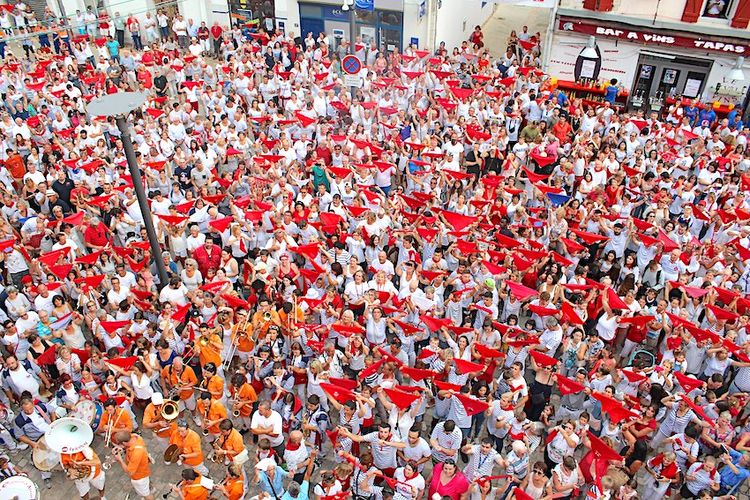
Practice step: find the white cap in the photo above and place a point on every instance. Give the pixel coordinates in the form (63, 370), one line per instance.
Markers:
(265, 464)
(157, 398)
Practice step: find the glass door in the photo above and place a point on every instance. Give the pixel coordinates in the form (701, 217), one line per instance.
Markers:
(693, 84)
(643, 85)
(668, 82)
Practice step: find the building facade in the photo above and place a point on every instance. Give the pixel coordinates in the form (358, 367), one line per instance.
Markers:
(659, 51)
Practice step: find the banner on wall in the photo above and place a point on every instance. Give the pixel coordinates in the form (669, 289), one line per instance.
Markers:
(546, 4)
(652, 37)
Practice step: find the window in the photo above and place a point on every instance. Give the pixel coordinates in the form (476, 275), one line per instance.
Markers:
(717, 9)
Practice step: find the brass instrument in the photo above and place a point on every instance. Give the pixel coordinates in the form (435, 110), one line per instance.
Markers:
(170, 410)
(235, 400)
(206, 432)
(267, 316)
(110, 426)
(116, 451)
(78, 471)
(214, 455)
(171, 453)
(305, 432)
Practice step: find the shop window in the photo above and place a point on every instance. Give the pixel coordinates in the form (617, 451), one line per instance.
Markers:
(365, 16)
(717, 9)
(391, 18)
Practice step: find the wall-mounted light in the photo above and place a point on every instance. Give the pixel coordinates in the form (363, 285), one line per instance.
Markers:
(590, 51)
(736, 73)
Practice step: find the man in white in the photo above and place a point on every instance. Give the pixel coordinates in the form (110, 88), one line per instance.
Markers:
(296, 455)
(417, 450)
(266, 423)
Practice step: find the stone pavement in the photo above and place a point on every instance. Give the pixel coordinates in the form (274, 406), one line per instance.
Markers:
(507, 18)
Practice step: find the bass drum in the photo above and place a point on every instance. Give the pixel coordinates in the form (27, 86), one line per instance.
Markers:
(19, 488)
(44, 458)
(88, 411)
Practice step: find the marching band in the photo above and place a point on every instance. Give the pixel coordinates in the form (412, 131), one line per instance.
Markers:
(193, 419)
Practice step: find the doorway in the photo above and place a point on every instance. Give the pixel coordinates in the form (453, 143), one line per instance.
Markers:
(665, 77)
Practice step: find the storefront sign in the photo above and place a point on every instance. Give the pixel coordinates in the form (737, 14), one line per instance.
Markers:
(335, 13)
(546, 4)
(652, 37)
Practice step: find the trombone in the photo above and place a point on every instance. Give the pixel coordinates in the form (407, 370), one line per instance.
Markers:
(110, 427)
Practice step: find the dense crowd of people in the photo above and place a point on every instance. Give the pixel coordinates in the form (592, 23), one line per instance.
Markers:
(454, 282)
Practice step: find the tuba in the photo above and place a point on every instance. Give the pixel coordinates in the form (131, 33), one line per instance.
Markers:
(70, 435)
(169, 410)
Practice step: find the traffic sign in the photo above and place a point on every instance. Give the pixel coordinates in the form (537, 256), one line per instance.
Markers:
(351, 65)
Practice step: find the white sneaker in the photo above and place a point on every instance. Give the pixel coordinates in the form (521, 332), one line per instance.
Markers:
(22, 446)
(197, 420)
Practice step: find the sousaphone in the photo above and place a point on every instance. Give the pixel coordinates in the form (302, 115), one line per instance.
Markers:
(69, 435)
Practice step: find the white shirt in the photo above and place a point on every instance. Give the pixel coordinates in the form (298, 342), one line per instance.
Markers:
(142, 387)
(274, 421)
(405, 487)
(24, 381)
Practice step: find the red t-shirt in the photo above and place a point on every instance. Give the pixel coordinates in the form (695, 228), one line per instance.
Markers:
(96, 235)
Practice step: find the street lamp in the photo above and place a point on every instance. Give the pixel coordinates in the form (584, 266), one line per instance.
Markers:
(120, 105)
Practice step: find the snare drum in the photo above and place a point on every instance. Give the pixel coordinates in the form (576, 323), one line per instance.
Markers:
(44, 458)
(89, 411)
(20, 488)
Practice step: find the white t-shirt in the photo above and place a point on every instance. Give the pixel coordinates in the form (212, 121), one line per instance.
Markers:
(418, 451)
(274, 421)
(24, 381)
(405, 487)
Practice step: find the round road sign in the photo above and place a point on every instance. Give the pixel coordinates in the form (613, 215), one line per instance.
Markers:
(351, 65)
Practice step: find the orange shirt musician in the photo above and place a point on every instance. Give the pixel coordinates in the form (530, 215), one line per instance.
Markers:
(242, 335)
(229, 447)
(155, 421)
(243, 396)
(192, 487)
(264, 317)
(135, 463)
(212, 383)
(180, 379)
(211, 413)
(233, 485)
(85, 469)
(114, 420)
(208, 345)
(189, 443)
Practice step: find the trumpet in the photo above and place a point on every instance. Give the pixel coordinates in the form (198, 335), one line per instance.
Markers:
(116, 452)
(267, 316)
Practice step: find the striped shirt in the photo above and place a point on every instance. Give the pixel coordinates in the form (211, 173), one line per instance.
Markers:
(480, 464)
(703, 478)
(675, 424)
(449, 440)
(518, 466)
(458, 414)
(499, 413)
